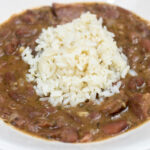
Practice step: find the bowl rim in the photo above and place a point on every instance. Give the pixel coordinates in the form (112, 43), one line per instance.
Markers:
(134, 139)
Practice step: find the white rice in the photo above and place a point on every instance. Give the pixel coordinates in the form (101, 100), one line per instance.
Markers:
(75, 62)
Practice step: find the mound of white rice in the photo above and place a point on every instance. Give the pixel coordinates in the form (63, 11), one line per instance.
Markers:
(75, 62)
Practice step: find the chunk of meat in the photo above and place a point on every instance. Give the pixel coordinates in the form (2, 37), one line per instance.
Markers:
(67, 13)
(140, 105)
(112, 106)
(135, 82)
(115, 127)
(146, 44)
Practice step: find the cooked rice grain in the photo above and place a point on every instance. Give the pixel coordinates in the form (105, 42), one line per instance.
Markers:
(75, 62)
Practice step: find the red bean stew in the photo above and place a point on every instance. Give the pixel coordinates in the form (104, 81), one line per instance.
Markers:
(19, 104)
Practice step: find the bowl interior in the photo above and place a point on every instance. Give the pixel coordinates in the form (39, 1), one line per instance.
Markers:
(12, 139)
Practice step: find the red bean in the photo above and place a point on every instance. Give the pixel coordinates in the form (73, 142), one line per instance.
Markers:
(113, 106)
(4, 33)
(135, 82)
(68, 13)
(49, 109)
(108, 12)
(30, 91)
(148, 83)
(140, 105)
(69, 134)
(6, 113)
(22, 31)
(144, 30)
(134, 37)
(94, 116)
(115, 127)
(17, 96)
(146, 44)
(1, 52)
(20, 122)
(129, 52)
(1, 79)
(139, 81)
(34, 114)
(25, 32)
(2, 99)
(33, 128)
(61, 122)
(65, 134)
(86, 138)
(17, 120)
(29, 17)
(11, 47)
(45, 124)
(9, 77)
(112, 13)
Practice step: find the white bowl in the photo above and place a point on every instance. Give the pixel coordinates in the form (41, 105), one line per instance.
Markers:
(11, 139)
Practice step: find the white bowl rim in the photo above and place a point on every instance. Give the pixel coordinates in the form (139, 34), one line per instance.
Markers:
(11, 139)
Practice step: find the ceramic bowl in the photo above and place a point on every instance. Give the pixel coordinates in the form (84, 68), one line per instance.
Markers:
(12, 139)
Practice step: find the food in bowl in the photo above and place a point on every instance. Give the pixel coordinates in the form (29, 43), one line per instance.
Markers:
(75, 72)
